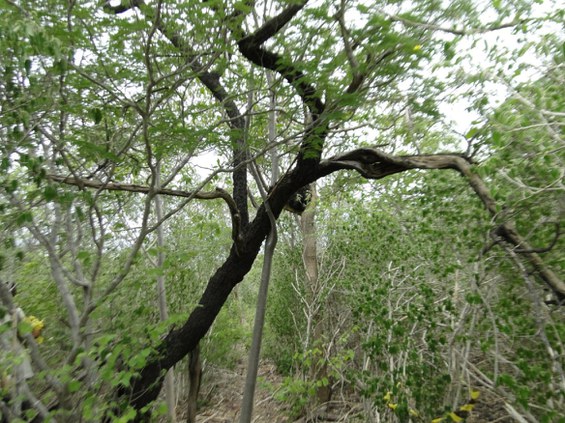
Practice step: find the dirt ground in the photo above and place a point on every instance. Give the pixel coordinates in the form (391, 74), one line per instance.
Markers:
(222, 392)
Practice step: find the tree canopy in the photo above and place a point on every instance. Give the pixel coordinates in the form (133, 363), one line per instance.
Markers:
(152, 139)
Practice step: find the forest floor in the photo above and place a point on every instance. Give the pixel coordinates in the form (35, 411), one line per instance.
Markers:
(222, 393)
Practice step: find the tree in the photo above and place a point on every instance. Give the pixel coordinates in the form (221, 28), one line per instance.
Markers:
(95, 98)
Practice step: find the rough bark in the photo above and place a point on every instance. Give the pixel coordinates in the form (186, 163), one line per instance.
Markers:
(179, 342)
(194, 376)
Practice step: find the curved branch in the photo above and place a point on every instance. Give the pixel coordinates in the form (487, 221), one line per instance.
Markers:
(275, 24)
(199, 195)
(543, 249)
(251, 48)
(375, 164)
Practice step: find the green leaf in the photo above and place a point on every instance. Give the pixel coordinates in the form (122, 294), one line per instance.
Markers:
(24, 217)
(496, 138)
(128, 416)
(242, 6)
(472, 132)
(448, 50)
(24, 328)
(74, 386)
(50, 193)
(96, 115)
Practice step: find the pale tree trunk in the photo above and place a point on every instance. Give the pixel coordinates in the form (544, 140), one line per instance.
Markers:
(162, 294)
(270, 244)
(255, 350)
(318, 370)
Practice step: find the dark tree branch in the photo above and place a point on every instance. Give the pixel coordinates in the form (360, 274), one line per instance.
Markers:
(543, 249)
(250, 47)
(211, 80)
(375, 164)
(275, 24)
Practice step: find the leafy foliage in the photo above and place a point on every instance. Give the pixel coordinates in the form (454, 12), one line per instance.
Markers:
(419, 299)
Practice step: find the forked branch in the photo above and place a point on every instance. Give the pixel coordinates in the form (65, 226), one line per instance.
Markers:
(198, 195)
(251, 46)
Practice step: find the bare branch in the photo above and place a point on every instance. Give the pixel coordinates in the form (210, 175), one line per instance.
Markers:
(358, 77)
(200, 195)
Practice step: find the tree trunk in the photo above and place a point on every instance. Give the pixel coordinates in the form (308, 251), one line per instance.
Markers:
(255, 350)
(162, 294)
(194, 377)
(318, 369)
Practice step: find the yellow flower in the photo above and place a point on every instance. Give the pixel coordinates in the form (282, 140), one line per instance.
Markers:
(392, 406)
(467, 407)
(387, 396)
(455, 417)
(417, 47)
(36, 325)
